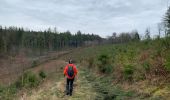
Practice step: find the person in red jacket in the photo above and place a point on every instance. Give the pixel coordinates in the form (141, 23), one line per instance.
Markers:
(70, 71)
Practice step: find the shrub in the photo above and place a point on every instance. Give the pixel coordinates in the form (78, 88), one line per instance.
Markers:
(104, 64)
(167, 62)
(105, 68)
(146, 65)
(167, 66)
(34, 64)
(103, 59)
(28, 79)
(166, 42)
(7, 93)
(128, 71)
(42, 74)
(108, 68)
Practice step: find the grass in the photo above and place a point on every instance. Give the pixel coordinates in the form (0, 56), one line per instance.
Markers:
(128, 72)
(104, 88)
(144, 64)
(28, 80)
(8, 93)
(136, 62)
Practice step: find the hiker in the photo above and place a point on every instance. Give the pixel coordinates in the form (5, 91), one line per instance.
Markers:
(70, 71)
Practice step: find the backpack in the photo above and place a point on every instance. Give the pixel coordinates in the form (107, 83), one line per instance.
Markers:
(70, 71)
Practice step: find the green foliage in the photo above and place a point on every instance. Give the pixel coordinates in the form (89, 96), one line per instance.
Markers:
(167, 66)
(104, 64)
(34, 64)
(13, 39)
(167, 62)
(7, 93)
(105, 68)
(146, 65)
(167, 20)
(166, 43)
(108, 68)
(105, 89)
(1, 44)
(128, 71)
(42, 74)
(28, 79)
(103, 59)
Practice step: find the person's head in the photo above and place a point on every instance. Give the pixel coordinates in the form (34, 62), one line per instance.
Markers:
(70, 61)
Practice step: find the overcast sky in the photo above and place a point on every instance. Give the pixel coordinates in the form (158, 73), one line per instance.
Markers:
(101, 17)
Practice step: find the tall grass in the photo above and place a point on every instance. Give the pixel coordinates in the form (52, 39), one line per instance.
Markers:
(27, 80)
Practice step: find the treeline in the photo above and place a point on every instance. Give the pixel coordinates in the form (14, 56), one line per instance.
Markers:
(124, 37)
(13, 40)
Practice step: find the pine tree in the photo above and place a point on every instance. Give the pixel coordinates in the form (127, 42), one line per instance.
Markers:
(147, 34)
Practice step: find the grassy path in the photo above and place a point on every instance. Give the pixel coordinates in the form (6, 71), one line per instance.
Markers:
(87, 85)
(54, 86)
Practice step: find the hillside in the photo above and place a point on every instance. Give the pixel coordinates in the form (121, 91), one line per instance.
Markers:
(140, 67)
(129, 71)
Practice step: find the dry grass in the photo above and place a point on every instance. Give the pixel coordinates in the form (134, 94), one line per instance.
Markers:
(54, 86)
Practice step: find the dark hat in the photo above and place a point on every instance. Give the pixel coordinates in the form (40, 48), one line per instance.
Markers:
(70, 61)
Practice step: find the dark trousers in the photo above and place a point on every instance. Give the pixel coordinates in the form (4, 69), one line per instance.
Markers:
(69, 86)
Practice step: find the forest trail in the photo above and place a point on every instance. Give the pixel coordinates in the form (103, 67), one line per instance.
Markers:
(53, 86)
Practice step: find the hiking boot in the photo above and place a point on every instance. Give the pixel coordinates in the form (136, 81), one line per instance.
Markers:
(70, 94)
(67, 93)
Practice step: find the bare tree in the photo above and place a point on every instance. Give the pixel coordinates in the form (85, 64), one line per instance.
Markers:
(160, 29)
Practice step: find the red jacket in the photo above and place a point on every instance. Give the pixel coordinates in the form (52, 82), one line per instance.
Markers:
(66, 70)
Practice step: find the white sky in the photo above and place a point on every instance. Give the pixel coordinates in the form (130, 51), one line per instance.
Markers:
(102, 17)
